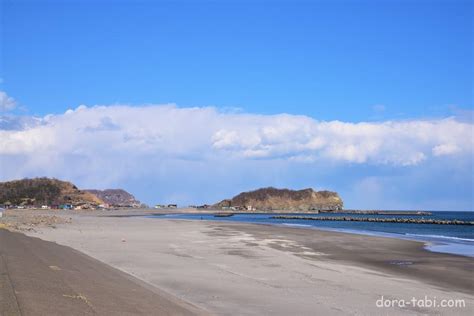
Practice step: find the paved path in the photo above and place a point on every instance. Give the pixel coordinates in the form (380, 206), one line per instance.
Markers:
(43, 278)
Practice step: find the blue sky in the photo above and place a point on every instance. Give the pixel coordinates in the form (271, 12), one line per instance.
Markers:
(351, 61)
(325, 59)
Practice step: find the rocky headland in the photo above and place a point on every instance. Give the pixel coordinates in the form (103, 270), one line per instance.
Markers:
(273, 199)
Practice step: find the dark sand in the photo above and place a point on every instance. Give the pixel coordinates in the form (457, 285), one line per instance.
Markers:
(391, 256)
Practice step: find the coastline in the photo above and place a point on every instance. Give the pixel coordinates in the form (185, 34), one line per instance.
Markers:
(435, 243)
(438, 244)
(413, 250)
(227, 268)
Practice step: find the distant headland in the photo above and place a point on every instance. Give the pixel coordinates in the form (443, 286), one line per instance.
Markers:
(271, 199)
(54, 193)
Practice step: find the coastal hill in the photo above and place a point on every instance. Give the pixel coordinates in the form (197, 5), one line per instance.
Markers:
(44, 191)
(116, 197)
(54, 193)
(268, 199)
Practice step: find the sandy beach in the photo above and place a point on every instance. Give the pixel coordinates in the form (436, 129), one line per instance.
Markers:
(248, 269)
(38, 277)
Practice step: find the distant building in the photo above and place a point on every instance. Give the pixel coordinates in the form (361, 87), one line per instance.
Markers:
(172, 206)
(204, 206)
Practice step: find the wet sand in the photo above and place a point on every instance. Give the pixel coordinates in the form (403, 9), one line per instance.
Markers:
(387, 255)
(237, 268)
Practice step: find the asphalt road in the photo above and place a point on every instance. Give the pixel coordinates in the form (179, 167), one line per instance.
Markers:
(43, 278)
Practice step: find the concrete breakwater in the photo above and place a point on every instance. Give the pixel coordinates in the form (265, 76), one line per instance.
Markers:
(374, 219)
(375, 212)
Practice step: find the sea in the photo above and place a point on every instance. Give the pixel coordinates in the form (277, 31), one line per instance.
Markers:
(454, 239)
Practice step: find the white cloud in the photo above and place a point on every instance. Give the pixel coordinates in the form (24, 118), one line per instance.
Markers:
(199, 132)
(445, 149)
(7, 103)
(391, 142)
(107, 143)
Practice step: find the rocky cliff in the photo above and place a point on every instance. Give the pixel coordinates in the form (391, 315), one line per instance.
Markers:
(116, 197)
(268, 199)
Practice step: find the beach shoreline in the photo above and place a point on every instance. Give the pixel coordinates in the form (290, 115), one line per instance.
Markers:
(228, 268)
(441, 241)
(180, 257)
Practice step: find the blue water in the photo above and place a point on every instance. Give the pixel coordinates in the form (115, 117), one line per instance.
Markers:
(455, 239)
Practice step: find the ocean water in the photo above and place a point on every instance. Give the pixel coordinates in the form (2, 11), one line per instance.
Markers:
(454, 239)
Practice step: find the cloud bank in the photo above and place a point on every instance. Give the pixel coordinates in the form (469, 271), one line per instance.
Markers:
(167, 130)
(103, 145)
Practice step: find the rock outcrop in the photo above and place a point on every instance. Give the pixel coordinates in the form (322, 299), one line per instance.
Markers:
(272, 199)
(116, 197)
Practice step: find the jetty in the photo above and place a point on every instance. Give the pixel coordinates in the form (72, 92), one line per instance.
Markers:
(378, 212)
(378, 220)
